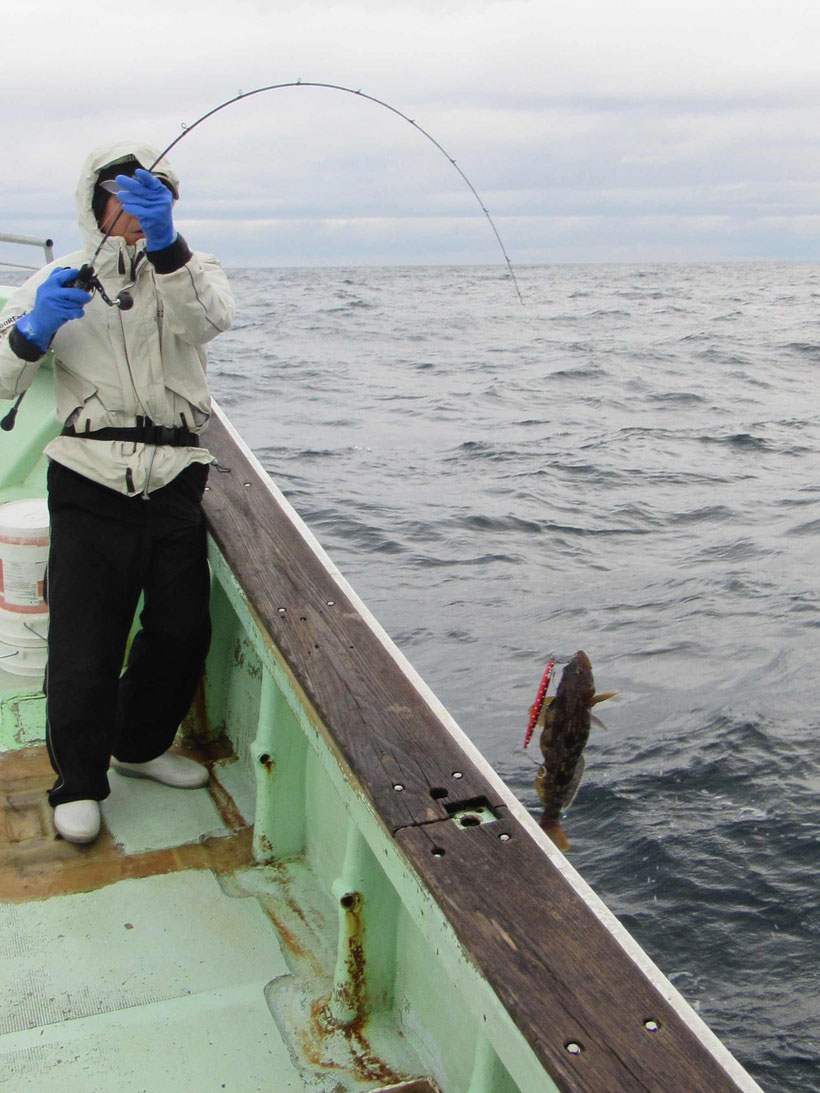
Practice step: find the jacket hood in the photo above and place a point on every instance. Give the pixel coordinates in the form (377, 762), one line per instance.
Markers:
(107, 156)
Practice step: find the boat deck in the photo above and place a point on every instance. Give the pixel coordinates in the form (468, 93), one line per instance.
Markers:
(157, 952)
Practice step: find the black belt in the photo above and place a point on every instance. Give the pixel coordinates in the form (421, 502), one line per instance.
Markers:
(174, 436)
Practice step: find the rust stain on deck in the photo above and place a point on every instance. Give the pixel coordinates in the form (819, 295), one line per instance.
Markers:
(319, 1044)
(299, 936)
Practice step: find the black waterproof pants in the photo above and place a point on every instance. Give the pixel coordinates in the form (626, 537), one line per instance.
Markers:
(105, 550)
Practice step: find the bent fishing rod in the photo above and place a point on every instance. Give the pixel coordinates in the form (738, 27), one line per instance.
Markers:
(87, 278)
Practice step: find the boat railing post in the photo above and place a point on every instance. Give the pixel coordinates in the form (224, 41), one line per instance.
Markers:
(367, 905)
(279, 754)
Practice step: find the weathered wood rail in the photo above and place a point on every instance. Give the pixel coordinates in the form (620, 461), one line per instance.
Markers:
(591, 1014)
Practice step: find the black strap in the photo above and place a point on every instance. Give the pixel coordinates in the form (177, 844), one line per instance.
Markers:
(174, 436)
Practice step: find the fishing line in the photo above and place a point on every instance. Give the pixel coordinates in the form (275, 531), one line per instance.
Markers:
(88, 280)
(187, 129)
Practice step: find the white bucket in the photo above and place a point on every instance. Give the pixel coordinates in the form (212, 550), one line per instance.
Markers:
(23, 611)
(21, 657)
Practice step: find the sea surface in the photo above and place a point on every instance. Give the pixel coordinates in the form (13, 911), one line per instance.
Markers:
(628, 463)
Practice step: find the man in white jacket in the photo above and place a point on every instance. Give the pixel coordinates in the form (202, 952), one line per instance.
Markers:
(125, 480)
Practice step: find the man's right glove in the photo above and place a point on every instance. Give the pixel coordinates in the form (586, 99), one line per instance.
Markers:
(54, 305)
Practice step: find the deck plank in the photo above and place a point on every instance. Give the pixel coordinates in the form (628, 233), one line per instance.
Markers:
(559, 971)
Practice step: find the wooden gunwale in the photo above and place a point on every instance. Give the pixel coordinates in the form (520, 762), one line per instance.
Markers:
(559, 970)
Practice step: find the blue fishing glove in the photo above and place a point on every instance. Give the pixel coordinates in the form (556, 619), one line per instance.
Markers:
(54, 304)
(150, 201)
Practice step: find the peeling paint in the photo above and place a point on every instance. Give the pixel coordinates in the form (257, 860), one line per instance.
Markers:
(22, 720)
(244, 658)
(264, 844)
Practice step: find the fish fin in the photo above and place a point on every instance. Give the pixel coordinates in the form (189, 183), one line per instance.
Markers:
(558, 837)
(546, 702)
(542, 717)
(602, 697)
(597, 722)
(574, 783)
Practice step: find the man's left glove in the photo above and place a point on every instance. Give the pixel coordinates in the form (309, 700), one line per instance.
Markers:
(151, 202)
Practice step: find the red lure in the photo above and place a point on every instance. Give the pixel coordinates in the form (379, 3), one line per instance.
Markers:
(539, 702)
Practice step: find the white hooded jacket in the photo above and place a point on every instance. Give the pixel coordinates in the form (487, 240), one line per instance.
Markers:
(112, 367)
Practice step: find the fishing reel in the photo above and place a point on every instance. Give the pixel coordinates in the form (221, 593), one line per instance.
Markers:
(88, 281)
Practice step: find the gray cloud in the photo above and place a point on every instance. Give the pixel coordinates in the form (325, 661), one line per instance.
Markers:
(590, 129)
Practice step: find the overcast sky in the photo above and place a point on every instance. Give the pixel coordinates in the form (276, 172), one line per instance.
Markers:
(594, 130)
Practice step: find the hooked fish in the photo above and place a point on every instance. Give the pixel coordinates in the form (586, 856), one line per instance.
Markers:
(565, 722)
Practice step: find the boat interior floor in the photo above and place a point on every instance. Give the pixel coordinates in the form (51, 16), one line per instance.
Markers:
(163, 956)
(147, 829)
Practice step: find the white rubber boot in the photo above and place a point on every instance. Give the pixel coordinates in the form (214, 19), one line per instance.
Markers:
(169, 769)
(78, 821)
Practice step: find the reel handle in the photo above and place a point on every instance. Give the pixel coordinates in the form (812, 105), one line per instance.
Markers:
(88, 281)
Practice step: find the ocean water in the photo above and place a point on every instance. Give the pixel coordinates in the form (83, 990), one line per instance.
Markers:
(626, 463)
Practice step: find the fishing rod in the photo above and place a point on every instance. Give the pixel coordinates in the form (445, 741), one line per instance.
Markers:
(87, 278)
